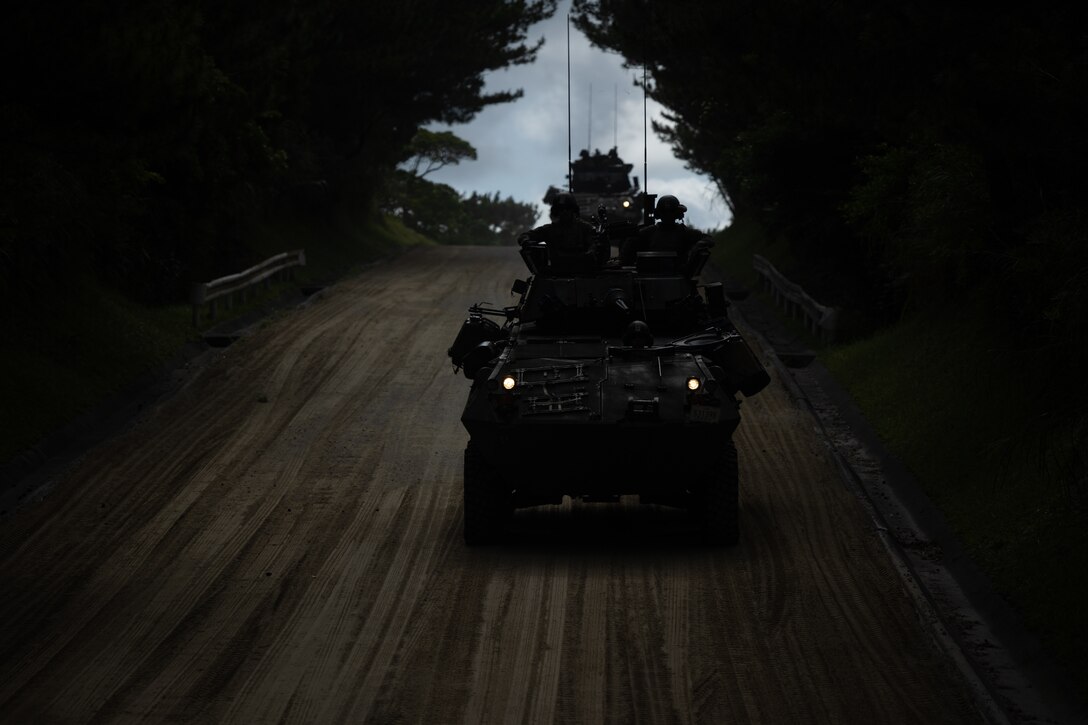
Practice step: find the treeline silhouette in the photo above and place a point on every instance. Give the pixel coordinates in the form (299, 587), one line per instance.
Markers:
(918, 162)
(908, 153)
(141, 141)
(437, 210)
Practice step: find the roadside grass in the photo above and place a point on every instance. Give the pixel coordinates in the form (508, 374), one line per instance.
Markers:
(964, 413)
(970, 418)
(337, 245)
(74, 348)
(82, 342)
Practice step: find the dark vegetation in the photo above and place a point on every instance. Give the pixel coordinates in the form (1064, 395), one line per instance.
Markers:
(150, 145)
(438, 211)
(146, 140)
(920, 165)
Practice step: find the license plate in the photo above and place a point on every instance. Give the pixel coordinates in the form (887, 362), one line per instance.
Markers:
(704, 414)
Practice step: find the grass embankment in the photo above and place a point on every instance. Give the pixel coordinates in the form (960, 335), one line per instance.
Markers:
(969, 416)
(83, 342)
(962, 410)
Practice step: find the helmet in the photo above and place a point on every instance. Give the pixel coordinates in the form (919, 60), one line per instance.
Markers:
(565, 200)
(669, 207)
(638, 334)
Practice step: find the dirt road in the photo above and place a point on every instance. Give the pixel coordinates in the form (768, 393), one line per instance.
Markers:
(281, 542)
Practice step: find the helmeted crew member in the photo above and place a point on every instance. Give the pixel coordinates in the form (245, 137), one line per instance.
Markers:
(573, 244)
(668, 235)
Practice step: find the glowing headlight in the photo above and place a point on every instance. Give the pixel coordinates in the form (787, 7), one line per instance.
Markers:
(508, 382)
(626, 203)
(694, 383)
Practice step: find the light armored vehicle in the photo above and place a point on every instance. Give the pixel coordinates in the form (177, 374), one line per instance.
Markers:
(603, 181)
(602, 383)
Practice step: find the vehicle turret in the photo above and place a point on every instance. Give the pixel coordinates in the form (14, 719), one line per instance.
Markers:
(603, 180)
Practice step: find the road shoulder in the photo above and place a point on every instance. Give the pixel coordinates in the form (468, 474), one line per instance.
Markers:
(1012, 679)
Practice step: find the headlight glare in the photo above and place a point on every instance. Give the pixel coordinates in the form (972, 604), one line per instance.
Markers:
(694, 383)
(508, 382)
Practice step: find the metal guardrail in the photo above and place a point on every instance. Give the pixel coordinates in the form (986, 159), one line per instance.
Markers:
(795, 302)
(208, 293)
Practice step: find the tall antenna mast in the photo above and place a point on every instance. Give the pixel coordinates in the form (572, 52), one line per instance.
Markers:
(645, 172)
(589, 130)
(569, 154)
(615, 112)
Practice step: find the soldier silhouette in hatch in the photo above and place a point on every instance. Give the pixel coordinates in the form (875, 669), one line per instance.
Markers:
(668, 235)
(574, 246)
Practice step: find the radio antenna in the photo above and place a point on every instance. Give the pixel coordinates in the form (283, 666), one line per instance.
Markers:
(615, 112)
(570, 155)
(645, 171)
(589, 126)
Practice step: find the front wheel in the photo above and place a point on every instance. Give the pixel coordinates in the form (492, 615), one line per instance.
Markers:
(487, 503)
(715, 501)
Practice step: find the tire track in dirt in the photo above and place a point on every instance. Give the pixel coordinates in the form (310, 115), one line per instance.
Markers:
(81, 610)
(582, 671)
(269, 695)
(236, 453)
(240, 525)
(390, 452)
(516, 673)
(300, 559)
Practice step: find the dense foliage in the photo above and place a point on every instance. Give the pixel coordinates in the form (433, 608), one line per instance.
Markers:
(143, 140)
(906, 151)
(910, 156)
(437, 210)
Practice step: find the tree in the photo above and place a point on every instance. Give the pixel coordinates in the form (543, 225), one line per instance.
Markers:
(430, 151)
(490, 219)
(904, 153)
(146, 140)
(439, 212)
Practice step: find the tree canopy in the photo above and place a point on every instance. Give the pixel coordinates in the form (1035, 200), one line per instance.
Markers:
(430, 151)
(916, 162)
(439, 212)
(142, 140)
(906, 152)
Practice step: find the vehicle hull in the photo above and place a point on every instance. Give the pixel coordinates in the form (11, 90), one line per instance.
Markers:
(541, 463)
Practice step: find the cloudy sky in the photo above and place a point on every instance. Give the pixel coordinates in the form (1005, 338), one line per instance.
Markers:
(522, 146)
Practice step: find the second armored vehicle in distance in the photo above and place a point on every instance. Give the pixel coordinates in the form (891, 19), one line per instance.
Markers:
(603, 181)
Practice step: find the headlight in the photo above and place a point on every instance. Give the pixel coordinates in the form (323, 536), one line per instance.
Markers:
(694, 383)
(626, 203)
(508, 382)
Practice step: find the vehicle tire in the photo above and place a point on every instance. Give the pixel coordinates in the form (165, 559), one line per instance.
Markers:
(487, 504)
(715, 504)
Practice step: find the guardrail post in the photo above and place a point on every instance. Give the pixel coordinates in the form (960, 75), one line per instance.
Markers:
(275, 267)
(795, 302)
